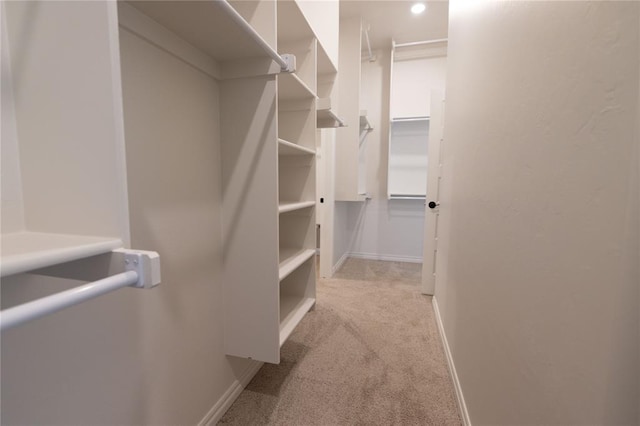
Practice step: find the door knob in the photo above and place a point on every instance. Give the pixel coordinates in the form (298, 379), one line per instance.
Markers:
(433, 204)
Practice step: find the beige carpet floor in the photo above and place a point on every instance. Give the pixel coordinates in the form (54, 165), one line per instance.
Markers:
(369, 354)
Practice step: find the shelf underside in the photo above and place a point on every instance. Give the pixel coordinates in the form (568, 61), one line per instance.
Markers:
(26, 251)
(327, 118)
(205, 25)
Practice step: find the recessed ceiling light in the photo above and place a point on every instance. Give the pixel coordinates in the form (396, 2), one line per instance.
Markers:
(418, 8)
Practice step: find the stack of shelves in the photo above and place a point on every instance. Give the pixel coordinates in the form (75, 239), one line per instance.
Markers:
(296, 169)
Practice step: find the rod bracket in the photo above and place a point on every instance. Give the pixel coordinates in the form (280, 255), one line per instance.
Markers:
(145, 263)
(290, 62)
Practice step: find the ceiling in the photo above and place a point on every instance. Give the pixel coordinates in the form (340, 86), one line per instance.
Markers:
(389, 20)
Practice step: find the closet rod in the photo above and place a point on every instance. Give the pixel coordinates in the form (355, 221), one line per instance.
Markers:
(419, 43)
(287, 62)
(366, 36)
(420, 118)
(47, 305)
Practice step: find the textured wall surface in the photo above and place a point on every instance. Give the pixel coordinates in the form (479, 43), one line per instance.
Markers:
(539, 297)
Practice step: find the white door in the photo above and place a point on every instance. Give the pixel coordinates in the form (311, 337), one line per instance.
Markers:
(434, 177)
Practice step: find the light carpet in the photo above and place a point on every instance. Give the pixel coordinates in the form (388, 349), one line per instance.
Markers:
(369, 353)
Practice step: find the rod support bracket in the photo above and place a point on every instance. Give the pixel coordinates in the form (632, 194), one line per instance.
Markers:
(145, 263)
(291, 62)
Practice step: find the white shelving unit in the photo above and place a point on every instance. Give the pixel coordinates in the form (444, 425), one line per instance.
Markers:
(350, 151)
(259, 152)
(64, 194)
(64, 186)
(296, 168)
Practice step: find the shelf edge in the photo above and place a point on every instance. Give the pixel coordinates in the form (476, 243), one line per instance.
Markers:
(19, 263)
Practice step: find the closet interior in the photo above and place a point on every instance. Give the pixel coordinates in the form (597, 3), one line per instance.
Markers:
(250, 73)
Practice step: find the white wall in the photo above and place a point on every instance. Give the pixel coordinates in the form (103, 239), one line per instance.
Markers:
(416, 75)
(10, 178)
(539, 294)
(341, 233)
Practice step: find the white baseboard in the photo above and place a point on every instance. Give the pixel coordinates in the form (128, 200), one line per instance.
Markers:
(217, 411)
(462, 406)
(339, 264)
(387, 257)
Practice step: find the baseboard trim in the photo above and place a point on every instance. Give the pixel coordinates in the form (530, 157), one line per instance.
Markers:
(387, 257)
(462, 406)
(339, 264)
(217, 411)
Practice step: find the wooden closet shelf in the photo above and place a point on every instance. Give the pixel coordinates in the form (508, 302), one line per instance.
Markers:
(289, 148)
(206, 26)
(292, 88)
(291, 259)
(292, 310)
(284, 207)
(26, 251)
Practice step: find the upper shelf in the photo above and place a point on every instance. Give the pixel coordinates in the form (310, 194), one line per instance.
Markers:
(208, 26)
(326, 116)
(26, 251)
(292, 88)
(294, 26)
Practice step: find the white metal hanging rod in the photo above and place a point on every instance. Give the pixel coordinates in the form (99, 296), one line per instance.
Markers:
(423, 118)
(421, 43)
(366, 36)
(407, 197)
(47, 305)
(142, 270)
(287, 62)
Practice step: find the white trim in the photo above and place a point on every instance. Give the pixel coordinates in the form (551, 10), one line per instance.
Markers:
(387, 257)
(339, 263)
(217, 411)
(462, 406)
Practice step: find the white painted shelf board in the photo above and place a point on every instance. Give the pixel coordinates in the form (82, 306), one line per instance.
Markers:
(326, 117)
(204, 25)
(292, 310)
(291, 259)
(289, 148)
(292, 88)
(26, 251)
(294, 26)
(365, 124)
(285, 206)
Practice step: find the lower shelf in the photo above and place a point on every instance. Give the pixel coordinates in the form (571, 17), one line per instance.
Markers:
(26, 251)
(292, 310)
(290, 259)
